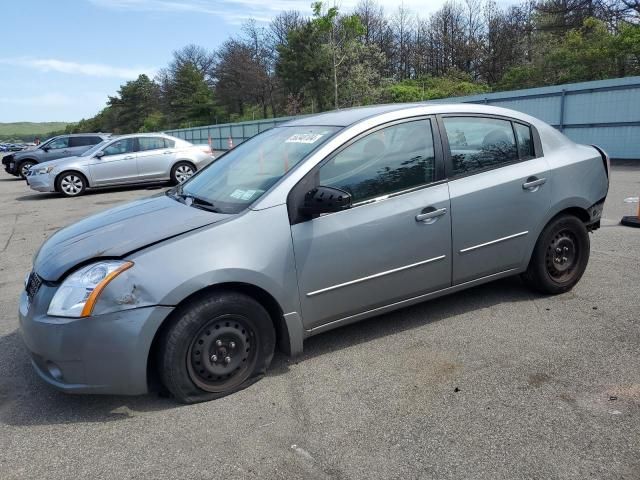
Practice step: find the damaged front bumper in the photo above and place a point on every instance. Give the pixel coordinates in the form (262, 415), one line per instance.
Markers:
(105, 353)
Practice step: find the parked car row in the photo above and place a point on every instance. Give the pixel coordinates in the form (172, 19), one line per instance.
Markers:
(14, 147)
(71, 164)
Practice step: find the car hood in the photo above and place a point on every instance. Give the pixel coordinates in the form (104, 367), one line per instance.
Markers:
(61, 161)
(117, 232)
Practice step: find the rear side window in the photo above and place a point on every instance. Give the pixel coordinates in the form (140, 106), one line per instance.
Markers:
(386, 161)
(525, 141)
(84, 141)
(478, 143)
(150, 143)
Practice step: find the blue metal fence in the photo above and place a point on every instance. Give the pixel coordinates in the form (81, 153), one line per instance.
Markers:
(603, 112)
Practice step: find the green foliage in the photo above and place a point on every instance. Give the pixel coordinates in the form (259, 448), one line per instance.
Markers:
(27, 131)
(189, 98)
(591, 52)
(430, 88)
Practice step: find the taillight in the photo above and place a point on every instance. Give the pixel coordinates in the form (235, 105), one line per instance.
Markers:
(605, 159)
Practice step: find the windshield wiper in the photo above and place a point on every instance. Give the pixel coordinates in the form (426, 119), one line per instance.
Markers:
(192, 200)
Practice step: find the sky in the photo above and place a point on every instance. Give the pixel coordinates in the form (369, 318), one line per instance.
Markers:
(59, 60)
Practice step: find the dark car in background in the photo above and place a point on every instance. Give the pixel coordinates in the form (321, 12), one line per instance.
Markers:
(18, 164)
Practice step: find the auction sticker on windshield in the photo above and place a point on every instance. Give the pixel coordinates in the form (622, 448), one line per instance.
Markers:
(304, 138)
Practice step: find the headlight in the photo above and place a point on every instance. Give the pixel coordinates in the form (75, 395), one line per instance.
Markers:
(79, 292)
(40, 170)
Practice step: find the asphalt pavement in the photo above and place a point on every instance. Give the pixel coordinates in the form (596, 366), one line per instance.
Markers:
(492, 383)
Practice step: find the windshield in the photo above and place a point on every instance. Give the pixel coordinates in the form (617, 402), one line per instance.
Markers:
(96, 148)
(244, 174)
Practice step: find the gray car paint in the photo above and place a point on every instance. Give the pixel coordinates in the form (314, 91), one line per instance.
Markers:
(322, 273)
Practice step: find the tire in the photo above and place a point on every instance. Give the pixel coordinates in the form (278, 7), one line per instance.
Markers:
(560, 256)
(215, 346)
(71, 184)
(182, 171)
(23, 168)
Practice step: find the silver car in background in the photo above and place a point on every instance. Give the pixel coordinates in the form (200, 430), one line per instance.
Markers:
(122, 160)
(311, 225)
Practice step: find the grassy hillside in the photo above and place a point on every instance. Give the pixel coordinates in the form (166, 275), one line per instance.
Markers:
(26, 131)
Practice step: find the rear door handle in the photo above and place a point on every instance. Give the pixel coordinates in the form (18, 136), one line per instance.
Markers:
(129, 157)
(533, 183)
(167, 152)
(430, 216)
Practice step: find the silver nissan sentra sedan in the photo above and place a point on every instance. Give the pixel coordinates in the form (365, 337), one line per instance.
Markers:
(123, 160)
(315, 224)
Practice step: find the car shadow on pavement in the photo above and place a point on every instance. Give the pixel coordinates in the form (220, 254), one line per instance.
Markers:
(506, 290)
(26, 400)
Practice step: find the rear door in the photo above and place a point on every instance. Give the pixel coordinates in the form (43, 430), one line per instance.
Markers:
(393, 244)
(117, 165)
(155, 157)
(498, 182)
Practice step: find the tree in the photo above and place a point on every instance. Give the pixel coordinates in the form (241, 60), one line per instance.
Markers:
(189, 98)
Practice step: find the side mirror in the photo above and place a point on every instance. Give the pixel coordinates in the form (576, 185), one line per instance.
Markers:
(99, 154)
(325, 200)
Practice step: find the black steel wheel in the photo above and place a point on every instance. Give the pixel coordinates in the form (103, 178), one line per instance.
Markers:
(560, 256)
(215, 345)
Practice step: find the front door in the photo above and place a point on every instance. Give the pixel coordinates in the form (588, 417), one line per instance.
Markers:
(499, 194)
(57, 148)
(393, 244)
(117, 165)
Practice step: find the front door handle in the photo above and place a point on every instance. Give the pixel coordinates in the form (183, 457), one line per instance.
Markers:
(430, 216)
(533, 183)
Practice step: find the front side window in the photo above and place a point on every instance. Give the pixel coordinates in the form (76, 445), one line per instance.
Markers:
(126, 145)
(245, 173)
(150, 143)
(58, 143)
(386, 161)
(478, 143)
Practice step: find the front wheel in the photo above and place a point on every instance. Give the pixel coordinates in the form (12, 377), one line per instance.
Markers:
(560, 256)
(71, 184)
(181, 172)
(217, 345)
(23, 168)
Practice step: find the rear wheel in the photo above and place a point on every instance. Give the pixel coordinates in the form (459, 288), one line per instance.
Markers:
(560, 256)
(24, 167)
(71, 184)
(216, 346)
(181, 172)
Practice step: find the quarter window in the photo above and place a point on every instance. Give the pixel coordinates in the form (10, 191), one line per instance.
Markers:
(525, 141)
(151, 143)
(478, 143)
(389, 160)
(169, 143)
(126, 145)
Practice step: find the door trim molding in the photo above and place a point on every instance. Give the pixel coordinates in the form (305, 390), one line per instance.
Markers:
(493, 242)
(409, 301)
(375, 275)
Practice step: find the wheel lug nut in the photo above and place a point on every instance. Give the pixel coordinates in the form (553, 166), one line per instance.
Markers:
(218, 343)
(564, 259)
(565, 249)
(232, 345)
(558, 250)
(227, 359)
(214, 358)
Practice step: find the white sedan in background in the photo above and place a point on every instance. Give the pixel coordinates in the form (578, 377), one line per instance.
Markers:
(123, 160)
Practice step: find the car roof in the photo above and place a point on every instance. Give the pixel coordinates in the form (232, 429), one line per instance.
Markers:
(350, 116)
